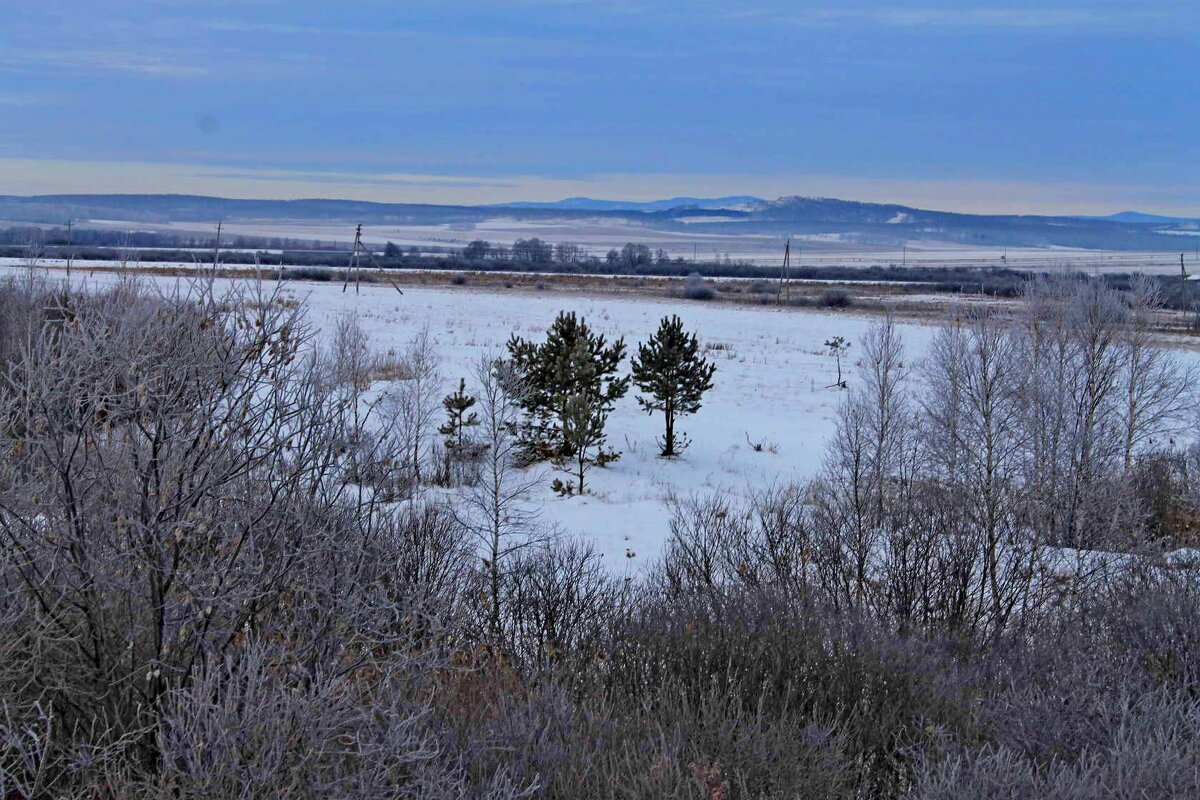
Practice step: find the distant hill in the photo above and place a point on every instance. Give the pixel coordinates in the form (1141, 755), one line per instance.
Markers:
(850, 221)
(589, 204)
(1138, 217)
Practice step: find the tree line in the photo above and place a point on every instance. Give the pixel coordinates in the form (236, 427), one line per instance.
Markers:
(59, 238)
(632, 256)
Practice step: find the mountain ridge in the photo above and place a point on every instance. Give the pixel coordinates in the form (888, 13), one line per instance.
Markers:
(849, 220)
(594, 204)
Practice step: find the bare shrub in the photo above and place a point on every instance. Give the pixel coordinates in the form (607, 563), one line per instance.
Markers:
(175, 488)
(432, 554)
(696, 288)
(751, 679)
(221, 737)
(1163, 485)
(558, 599)
(836, 298)
(1154, 752)
(494, 509)
(719, 542)
(408, 411)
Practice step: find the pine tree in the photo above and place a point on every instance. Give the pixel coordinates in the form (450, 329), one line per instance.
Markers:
(837, 347)
(673, 376)
(571, 361)
(583, 420)
(458, 420)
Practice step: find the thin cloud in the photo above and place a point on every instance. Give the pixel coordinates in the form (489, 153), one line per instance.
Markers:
(362, 179)
(1027, 18)
(103, 61)
(286, 29)
(1079, 17)
(16, 100)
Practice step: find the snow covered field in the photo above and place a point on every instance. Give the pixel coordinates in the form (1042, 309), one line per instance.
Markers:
(770, 389)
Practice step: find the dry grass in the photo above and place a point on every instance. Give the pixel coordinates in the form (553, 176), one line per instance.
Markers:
(867, 299)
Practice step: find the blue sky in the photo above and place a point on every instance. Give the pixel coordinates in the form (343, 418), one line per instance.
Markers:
(1061, 105)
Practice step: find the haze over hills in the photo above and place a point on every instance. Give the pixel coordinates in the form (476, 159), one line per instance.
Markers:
(843, 220)
(1139, 217)
(590, 204)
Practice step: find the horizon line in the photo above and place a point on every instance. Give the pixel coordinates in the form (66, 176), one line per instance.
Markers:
(515, 205)
(33, 177)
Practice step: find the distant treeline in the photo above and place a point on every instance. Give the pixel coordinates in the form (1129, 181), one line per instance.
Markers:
(24, 236)
(524, 256)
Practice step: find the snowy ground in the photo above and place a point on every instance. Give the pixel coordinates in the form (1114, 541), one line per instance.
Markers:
(770, 388)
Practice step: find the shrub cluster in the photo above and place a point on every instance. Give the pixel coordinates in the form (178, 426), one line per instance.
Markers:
(209, 585)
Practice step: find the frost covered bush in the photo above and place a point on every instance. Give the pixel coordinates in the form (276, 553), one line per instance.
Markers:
(559, 599)
(837, 298)
(305, 274)
(180, 524)
(756, 678)
(1154, 751)
(696, 288)
(221, 737)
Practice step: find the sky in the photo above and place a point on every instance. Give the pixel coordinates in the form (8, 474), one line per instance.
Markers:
(1057, 106)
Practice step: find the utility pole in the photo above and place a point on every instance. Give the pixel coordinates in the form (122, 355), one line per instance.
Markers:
(354, 263)
(70, 248)
(217, 248)
(1185, 290)
(784, 274)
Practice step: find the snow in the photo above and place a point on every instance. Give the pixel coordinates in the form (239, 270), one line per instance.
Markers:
(1187, 557)
(771, 388)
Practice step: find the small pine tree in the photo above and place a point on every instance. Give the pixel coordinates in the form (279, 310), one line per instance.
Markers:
(584, 416)
(837, 347)
(584, 431)
(458, 420)
(673, 376)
